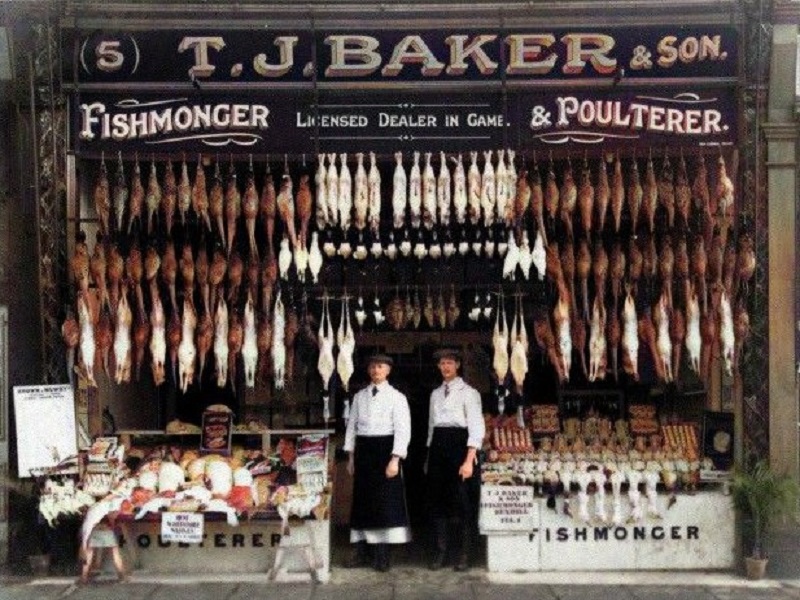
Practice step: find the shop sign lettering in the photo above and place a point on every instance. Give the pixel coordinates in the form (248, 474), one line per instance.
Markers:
(505, 508)
(402, 55)
(636, 533)
(181, 527)
(144, 541)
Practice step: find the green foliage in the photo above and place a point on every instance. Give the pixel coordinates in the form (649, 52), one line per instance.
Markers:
(762, 497)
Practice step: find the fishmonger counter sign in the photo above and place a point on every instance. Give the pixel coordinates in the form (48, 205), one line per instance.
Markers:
(508, 509)
(182, 527)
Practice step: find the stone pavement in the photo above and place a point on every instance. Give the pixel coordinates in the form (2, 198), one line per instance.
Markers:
(404, 583)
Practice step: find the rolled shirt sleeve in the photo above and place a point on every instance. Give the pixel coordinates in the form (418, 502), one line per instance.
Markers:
(402, 426)
(476, 429)
(350, 432)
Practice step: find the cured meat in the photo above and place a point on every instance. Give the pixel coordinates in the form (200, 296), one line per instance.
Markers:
(268, 207)
(500, 340)
(87, 341)
(250, 209)
(137, 197)
(374, 182)
(602, 196)
(233, 207)
(119, 194)
(630, 337)
(345, 193)
(683, 192)
(187, 351)
(666, 191)
(152, 197)
(235, 341)
(597, 342)
(443, 191)
(221, 342)
(474, 187)
(634, 195)
(488, 190)
(650, 195)
(568, 198)
(347, 345)
(586, 199)
(326, 363)
(693, 338)
(321, 184)
(503, 192)
(184, 192)
(361, 197)
(158, 339)
(216, 203)
(333, 191)
(249, 345)
(399, 191)
(102, 200)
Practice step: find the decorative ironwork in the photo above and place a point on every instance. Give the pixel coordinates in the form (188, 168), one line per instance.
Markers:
(49, 116)
(754, 217)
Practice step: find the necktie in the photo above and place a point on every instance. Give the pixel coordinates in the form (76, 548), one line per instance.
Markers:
(446, 390)
(374, 390)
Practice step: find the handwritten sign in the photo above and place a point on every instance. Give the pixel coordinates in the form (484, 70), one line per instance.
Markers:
(182, 527)
(507, 509)
(46, 433)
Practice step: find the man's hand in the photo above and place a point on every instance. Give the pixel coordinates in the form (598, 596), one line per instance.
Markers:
(465, 471)
(393, 468)
(351, 466)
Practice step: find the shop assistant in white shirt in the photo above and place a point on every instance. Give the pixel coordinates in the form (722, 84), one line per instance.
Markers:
(384, 413)
(460, 407)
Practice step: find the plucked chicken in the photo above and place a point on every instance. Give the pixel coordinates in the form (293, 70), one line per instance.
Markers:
(399, 192)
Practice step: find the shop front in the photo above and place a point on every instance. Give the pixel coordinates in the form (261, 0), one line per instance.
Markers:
(255, 211)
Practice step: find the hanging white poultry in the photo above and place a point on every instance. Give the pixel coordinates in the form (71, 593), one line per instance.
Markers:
(361, 195)
(500, 339)
(314, 257)
(332, 181)
(221, 341)
(502, 193)
(724, 190)
(415, 192)
(519, 348)
(122, 341)
(630, 337)
(694, 340)
(284, 258)
(374, 182)
(428, 193)
(435, 249)
(583, 479)
(87, 344)
(474, 188)
(463, 245)
(539, 255)
(489, 245)
(377, 311)
(391, 247)
(347, 346)
(460, 190)
(249, 345)
(345, 250)
(187, 351)
(278, 343)
(561, 320)
(448, 248)
(399, 192)
(405, 245)
(525, 256)
(360, 311)
(300, 259)
(477, 244)
(320, 180)
(726, 333)
(597, 341)
(488, 190)
(345, 193)
(326, 363)
(502, 247)
(475, 312)
(651, 479)
(616, 479)
(420, 250)
(663, 341)
(634, 495)
(599, 479)
(511, 177)
(443, 192)
(512, 258)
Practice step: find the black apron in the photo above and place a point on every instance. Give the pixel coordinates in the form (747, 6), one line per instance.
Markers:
(378, 502)
(450, 496)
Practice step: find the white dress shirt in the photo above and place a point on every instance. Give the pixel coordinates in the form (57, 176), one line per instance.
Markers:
(461, 407)
(384, 413)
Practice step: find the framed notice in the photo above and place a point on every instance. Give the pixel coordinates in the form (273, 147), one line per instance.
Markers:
(215, 432)
(718, 438)
(45, 425)
(507, 509)
(182, 527)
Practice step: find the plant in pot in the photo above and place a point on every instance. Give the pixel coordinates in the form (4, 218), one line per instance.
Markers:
(762, 497)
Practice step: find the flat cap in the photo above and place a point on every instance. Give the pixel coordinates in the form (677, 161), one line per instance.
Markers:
(451, 353)
(380, 358)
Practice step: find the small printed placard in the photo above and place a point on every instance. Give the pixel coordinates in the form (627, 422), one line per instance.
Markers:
(182, 527)
(507, 509)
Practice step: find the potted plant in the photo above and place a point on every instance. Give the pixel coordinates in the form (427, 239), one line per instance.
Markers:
(762, 497)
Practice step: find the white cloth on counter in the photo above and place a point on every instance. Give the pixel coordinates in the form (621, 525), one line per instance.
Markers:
(461, 407)
(386, 535)
(383, 413)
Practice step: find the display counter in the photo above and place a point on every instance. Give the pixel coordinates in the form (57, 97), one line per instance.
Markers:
(692, 532)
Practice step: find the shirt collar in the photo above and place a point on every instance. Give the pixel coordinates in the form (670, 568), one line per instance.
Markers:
(454, 383)
(381, 386)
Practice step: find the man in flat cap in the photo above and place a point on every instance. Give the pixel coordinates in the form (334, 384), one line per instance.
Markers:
(377, 437)
(455, 434)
